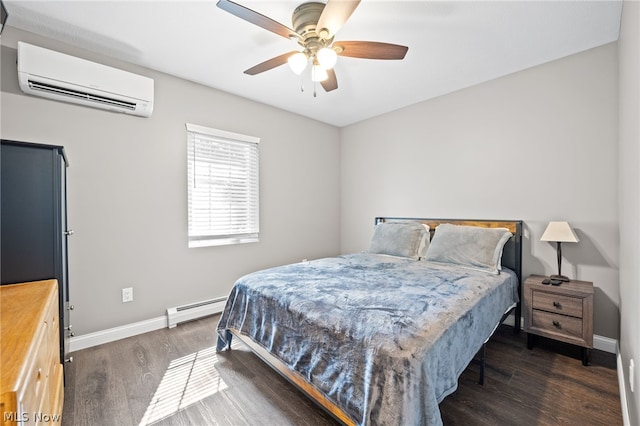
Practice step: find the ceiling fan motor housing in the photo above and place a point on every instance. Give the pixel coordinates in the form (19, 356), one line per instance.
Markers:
(305, 18)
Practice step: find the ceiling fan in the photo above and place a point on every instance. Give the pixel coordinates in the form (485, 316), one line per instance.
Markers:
(314, 27)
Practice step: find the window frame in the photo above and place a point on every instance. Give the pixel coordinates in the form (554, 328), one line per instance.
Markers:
(250, 223)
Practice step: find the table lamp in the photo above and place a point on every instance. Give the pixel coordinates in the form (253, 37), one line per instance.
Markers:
(560, 232)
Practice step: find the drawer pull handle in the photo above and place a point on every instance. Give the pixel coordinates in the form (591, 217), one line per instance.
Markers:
(557, 305)
(556, 323)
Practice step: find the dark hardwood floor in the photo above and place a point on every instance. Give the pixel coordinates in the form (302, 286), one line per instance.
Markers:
(175, 377)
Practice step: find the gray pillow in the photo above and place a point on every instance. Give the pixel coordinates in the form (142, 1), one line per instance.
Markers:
(469, 246)
(404, 239)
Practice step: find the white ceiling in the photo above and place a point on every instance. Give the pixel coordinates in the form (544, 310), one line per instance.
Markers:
(452, 45)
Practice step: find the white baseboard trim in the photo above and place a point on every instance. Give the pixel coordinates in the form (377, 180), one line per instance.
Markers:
(605, 344)
(623, 393)
(112, 334)
(128, 330)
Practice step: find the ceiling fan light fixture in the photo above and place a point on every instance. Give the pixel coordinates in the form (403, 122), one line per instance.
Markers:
(315, 24)
(327, 57)
(298, 62)
(318, 73)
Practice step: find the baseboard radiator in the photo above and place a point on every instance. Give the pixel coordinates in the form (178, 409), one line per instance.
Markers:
(193, 311)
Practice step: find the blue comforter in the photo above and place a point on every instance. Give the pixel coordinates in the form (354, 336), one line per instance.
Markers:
(384, 338)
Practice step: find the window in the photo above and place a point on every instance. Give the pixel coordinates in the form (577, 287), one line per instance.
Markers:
(223, 187)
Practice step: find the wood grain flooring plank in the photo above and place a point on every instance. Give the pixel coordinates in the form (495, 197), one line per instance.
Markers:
(144, 361)
(99, 395)
(283, 393)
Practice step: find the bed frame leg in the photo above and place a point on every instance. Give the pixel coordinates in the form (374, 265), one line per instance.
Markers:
(225, 344)
(228, 336)
(482, 364)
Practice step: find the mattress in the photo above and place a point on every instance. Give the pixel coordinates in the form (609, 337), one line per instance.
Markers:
(384, 338)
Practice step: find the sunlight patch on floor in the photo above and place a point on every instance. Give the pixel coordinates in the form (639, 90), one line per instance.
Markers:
(187, 380)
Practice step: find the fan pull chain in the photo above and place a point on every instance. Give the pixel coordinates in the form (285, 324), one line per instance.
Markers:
(301, 83)
(314, 89)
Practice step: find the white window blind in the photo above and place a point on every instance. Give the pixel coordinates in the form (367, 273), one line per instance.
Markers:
(223, 188)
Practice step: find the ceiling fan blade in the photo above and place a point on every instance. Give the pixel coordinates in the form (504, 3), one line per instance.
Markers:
(270, 63)
(371, 50)
(334, 15)
(257, 19)
(330, 83)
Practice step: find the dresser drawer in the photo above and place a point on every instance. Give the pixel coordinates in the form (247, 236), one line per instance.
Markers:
(557, 324)
(557, 303)
(56, 382)
(51, 349)
(37, 373)
(53, 335)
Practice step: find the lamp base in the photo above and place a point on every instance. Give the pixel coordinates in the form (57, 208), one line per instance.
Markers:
(560, 277)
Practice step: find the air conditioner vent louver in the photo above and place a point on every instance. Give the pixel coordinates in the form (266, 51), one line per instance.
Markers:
(49, 88)
(54, 75)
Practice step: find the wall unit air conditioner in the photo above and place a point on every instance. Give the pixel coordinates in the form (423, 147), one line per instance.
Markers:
(54, 75)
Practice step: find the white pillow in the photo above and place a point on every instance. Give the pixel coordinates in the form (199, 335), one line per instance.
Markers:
(403, 239)
(469, 246)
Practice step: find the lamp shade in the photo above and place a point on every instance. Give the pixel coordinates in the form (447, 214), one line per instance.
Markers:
(327, 57)
(297, 62)
(318, 73)
(559, 232)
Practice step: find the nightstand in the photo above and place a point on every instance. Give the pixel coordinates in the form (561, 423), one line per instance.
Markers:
(563, 312)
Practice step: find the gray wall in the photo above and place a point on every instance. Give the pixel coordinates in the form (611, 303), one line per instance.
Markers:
(539, 145)
(127, 191)
(629, 169)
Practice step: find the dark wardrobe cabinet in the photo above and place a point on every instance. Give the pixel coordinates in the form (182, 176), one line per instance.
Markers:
(33, 225)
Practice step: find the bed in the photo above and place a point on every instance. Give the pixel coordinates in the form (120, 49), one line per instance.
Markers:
(381, 337)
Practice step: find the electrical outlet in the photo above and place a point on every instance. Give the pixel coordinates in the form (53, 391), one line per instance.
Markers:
(127, 294)
(631, 374)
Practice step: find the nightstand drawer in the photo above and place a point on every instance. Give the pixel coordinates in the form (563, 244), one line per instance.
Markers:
(557, 324)
(557, 303)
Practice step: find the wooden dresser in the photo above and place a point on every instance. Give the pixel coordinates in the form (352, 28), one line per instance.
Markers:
(31, 378)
